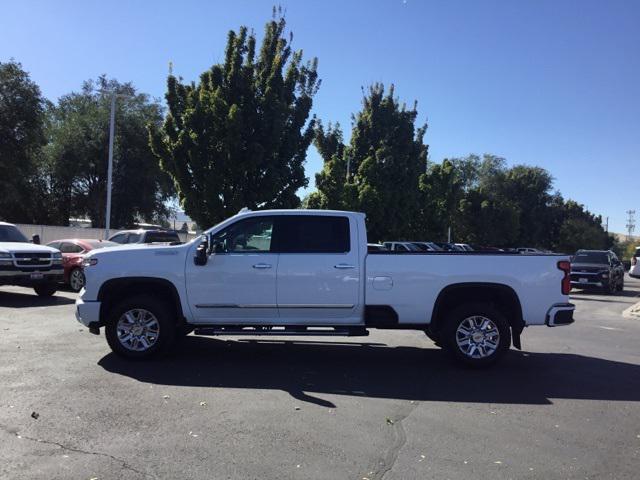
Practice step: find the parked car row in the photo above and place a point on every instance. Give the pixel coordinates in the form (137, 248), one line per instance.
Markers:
(426, 247)
(45, 267)
(406, 246)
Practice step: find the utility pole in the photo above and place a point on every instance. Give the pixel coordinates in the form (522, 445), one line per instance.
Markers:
(112, 128)
(631, 224)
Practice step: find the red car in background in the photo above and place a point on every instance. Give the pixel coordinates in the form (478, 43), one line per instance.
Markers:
(73, 250)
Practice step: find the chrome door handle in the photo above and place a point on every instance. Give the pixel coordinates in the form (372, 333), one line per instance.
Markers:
(262, 265)
(344, 266)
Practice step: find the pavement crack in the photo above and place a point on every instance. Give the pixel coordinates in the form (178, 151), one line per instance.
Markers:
(400, 439)
(68, 448)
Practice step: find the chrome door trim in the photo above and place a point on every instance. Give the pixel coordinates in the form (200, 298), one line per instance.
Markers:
(269, 305)
(235, 305)
(315, 305)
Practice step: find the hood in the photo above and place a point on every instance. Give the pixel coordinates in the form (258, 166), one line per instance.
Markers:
(8, 247)
(135, 249)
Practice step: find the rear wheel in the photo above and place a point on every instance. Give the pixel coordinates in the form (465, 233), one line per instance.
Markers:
(45, 289)
(141, 327)
(621, 284)
(476, 334)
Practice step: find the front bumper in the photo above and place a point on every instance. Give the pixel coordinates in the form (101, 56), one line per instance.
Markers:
(88, 313)
(588, 280)
(560, 314)
(25, 280)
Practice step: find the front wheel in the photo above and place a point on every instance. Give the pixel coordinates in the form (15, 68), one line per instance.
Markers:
(45, 289)
(476, 334)
(76, 279)
(140, 327)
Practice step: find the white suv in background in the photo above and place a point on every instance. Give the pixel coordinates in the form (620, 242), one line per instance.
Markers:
(634, 271)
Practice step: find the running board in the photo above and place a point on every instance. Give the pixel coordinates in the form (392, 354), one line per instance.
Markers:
(282, 331)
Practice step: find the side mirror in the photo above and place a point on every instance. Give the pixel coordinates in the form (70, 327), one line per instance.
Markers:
(35, 239)
(202, 252)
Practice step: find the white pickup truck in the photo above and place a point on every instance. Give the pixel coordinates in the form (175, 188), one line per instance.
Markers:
(308, 272)
(28, 264)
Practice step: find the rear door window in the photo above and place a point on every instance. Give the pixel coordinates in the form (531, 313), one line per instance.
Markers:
(312, 234)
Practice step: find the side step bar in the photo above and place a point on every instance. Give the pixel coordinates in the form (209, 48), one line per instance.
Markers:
(282, 331)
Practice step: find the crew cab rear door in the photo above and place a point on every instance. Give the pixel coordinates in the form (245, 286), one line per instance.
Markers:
(318, 277)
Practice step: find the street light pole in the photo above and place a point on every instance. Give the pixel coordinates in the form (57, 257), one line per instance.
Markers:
(112, 127)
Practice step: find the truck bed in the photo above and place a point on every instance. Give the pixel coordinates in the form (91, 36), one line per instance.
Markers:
(410, 282)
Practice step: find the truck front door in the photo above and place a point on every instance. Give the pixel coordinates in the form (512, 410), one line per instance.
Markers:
(238, 282)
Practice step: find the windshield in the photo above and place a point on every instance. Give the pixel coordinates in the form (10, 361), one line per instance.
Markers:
(9, 233)
(591, 257)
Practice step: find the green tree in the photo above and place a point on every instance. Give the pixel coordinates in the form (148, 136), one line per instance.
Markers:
(441, 190)
(22, 136)
(579, 228)
(77, 157)
(239, 136)
(384, 161)
(331, 181)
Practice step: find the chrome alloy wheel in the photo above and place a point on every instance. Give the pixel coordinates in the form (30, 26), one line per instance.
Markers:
(76, 280)
(477, 337)
(138, 330)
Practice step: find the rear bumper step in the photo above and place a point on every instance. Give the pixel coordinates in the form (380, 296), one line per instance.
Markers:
(282, 331)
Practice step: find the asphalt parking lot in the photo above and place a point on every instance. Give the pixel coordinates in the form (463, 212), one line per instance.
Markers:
(388, 406)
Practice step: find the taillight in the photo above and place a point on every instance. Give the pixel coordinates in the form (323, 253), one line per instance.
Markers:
(565, 266)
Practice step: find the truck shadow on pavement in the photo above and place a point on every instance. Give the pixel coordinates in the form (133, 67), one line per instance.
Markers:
(305, 369)
(26, 300)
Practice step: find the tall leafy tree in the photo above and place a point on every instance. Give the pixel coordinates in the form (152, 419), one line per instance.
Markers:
(381, 166)
(239, 136)
(77, 156)
(579, 228)
(22, 136)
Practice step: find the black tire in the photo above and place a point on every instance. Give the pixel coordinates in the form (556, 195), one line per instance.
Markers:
(609, 288)
(621, 285)
(472, 357)
(158, 308)
(72, 284)
(45, 289)
(433, 336)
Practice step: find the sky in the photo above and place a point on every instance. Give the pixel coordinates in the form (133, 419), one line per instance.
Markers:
(549, 83)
